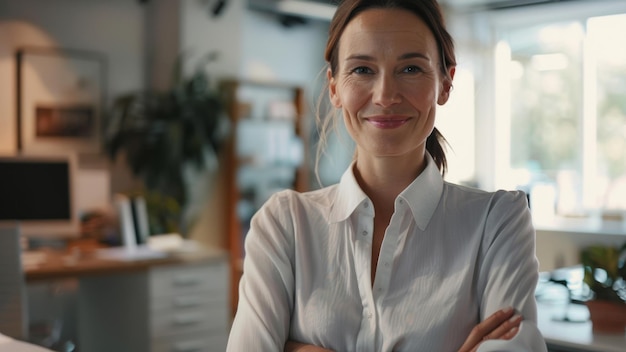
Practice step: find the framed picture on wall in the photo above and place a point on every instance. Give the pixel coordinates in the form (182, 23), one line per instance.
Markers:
(60, 97)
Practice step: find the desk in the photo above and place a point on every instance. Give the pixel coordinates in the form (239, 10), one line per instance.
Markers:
(49, 264)
(564, 336)
(176, 302)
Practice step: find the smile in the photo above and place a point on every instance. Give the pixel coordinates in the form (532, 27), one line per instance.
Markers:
(387, 122)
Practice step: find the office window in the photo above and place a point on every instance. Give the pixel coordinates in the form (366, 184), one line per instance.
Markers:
(567, 125)
(609, 67)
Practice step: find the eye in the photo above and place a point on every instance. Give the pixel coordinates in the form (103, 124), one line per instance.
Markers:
(361, 70)
(412, 69)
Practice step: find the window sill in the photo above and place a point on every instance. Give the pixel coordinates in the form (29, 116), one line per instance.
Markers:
(587, 225)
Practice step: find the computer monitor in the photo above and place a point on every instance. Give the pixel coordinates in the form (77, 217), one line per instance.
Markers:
(38, 191)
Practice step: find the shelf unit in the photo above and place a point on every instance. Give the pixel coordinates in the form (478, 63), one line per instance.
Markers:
(267, 150)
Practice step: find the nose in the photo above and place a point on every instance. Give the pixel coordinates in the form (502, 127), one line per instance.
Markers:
(386, 92)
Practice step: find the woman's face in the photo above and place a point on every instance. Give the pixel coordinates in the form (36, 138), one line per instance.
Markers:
(388, 82)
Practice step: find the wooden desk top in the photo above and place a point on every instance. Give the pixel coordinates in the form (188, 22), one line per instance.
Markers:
(53, 264)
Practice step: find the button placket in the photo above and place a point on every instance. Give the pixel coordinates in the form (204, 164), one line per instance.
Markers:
(363, 254)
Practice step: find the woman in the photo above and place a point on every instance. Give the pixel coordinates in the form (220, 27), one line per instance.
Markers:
(392, 258)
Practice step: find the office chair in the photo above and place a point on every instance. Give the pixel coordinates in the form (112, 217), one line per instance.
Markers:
(13, 304)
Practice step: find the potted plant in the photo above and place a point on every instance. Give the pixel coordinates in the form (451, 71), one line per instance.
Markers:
(605, 275)
(162, 134)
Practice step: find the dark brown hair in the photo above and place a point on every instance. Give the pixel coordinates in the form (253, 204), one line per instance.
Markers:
(430, 12)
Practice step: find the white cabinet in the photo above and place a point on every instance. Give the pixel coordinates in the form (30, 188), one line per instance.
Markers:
(180, 307)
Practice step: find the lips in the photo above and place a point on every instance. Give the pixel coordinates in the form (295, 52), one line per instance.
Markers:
(387, 122)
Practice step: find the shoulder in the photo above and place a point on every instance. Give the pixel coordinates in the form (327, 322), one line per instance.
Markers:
(287, 213)
(502, 218)
(288, 202)
(321, 196)
(463, 195)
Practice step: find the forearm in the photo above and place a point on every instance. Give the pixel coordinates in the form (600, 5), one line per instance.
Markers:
(293, 346)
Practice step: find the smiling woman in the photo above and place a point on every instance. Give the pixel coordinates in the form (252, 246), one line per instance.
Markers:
(388, 75)
(392, 258)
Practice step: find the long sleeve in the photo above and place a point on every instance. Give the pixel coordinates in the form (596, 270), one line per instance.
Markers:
(266, 287)
(508, 273)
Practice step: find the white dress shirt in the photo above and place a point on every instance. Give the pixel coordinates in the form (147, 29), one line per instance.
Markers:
(451, 257)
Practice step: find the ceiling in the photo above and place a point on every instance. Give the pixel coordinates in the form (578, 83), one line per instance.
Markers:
(494, 4)
(324, 9)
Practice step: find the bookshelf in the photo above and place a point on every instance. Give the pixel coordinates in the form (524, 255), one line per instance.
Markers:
(267, 151)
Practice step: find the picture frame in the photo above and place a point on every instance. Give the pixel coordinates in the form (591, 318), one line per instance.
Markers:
(60, 97)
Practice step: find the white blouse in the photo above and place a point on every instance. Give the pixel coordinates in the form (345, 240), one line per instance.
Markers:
(451, 257)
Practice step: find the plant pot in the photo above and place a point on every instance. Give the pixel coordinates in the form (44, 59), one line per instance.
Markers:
(607, 317)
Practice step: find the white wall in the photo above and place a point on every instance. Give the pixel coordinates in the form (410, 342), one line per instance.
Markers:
(271, 51)
(202, 33)
(162, 42)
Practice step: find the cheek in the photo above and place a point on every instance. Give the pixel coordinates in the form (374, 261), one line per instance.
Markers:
(353, 96)
(423, 96)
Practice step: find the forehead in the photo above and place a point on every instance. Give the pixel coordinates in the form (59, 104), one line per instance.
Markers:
(386, 27)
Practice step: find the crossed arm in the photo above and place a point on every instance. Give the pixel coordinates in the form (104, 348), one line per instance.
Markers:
(502, 325)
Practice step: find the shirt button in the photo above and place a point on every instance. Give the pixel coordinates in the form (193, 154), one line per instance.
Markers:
(401, 201)
(386, 263)
(366, 205)
(364, 233)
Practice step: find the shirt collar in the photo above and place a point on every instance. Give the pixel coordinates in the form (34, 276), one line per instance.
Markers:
(422, 195)
(348, 197)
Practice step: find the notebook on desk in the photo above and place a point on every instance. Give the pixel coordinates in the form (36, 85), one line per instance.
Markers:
(139, 252)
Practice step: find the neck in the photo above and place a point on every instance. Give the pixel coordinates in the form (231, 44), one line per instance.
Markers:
(383, 178)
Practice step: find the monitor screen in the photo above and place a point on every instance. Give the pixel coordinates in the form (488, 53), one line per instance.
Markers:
(37, 192)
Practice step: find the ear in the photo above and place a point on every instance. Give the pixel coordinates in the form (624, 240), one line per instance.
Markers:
(444, 94)
(332, 89)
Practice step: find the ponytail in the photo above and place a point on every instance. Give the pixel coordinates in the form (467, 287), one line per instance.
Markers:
(435, 146)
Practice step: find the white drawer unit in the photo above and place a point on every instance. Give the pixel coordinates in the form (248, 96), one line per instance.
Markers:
(167, 281)
(198, 342)
(179, 307)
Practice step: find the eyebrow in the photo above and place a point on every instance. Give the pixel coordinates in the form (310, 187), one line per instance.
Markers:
(406, 56)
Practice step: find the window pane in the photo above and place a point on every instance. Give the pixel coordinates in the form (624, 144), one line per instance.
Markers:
(609, 186)
(546, 107)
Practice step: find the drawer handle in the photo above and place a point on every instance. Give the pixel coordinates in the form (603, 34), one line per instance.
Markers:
(186, 302)
(189, 346)
(187, 319)
(187, 280)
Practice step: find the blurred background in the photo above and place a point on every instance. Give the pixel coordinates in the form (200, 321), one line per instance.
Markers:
(204, 108)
